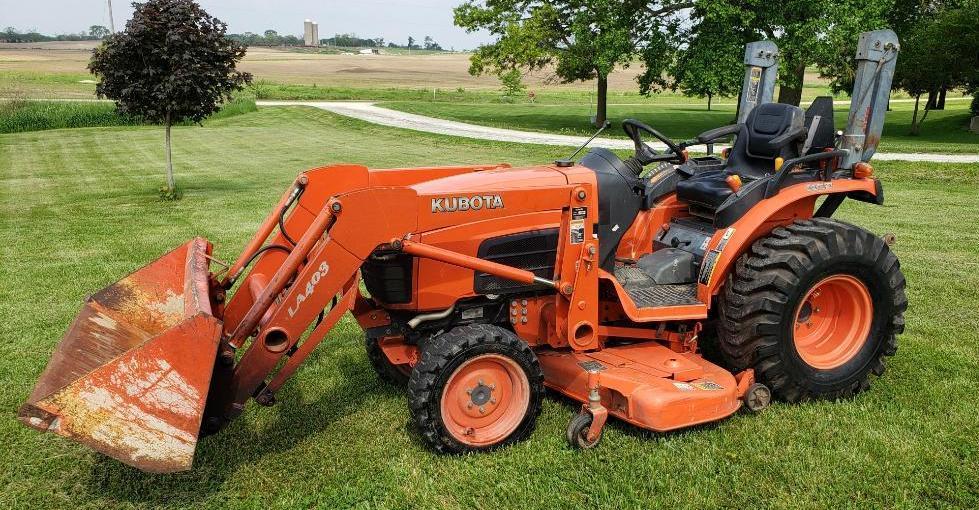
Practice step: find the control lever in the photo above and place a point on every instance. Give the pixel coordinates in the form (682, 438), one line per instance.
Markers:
(569, 161)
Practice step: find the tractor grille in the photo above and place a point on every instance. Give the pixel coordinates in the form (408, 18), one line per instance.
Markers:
(533, 251)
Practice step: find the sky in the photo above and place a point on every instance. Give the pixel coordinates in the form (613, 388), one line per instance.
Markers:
(394, 20)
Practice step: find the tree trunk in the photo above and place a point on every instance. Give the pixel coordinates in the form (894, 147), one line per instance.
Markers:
(922, 121)
(932, 99)
(941, 98)
(914, 116)
(601, 108)
(171, 184)
(710, 97)
(793, 95)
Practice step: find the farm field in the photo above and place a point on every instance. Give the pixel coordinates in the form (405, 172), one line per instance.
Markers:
(79, 208)
(57, 70)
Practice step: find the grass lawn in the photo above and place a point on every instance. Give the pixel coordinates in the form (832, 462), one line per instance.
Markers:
(944, 131)
(79, 209)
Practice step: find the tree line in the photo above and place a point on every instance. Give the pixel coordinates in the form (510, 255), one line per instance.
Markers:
(12, 35)
(351, 40)
(696, 47)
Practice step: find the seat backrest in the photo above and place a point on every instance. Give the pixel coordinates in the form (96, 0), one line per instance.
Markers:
(752, 156)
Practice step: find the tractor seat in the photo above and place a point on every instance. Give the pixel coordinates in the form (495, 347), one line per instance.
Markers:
(751, 157)
(706, 189)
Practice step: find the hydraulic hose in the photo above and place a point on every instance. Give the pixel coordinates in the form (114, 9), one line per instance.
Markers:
(298, 192)
(263, 249)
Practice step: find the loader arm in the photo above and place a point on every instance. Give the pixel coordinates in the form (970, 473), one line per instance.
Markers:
(150, 362)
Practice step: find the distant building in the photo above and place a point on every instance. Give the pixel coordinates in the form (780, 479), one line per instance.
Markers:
(370, 51)
(311, 33)
(308, 32)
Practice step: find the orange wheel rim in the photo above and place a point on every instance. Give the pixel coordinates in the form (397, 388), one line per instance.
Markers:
(833, 321)
(485, 400)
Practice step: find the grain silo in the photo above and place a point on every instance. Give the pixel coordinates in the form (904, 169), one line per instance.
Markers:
(308, 32)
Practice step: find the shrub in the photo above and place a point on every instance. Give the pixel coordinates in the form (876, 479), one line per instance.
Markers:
(512, 83)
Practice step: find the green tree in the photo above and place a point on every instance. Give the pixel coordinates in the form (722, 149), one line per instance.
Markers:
(98, 32)
(430, 44)
(171, 64)
(272, 38)
(940, 51)
(710, 64)
(581, 39)
(512, 83)
(808, 32)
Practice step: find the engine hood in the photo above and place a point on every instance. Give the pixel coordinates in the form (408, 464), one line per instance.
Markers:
(489, 194)
(501, 179)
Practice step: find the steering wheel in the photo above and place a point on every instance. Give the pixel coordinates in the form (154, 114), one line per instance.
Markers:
(646, 154)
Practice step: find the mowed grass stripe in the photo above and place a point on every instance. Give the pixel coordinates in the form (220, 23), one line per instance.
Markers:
(80, 209)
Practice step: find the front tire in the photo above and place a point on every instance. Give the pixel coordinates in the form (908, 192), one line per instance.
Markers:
(814, 308)
(395, 375)
(476, 387)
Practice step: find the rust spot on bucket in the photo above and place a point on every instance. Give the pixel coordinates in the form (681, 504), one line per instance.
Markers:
(130, 377)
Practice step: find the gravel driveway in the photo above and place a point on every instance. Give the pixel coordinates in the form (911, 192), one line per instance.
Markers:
(369, 112)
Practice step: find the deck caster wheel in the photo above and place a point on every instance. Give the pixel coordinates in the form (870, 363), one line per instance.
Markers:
(757, 398)
(578, 432)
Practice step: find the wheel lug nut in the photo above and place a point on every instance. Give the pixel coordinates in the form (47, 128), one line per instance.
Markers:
(482, 410)
(492, 401)
(469, 405)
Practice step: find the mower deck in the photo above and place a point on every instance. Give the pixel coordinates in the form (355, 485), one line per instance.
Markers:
(646, 384)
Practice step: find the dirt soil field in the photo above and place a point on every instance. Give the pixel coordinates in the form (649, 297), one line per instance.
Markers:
(447, 71)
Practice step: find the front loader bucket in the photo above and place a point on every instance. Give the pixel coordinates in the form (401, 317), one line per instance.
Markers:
(130, 377)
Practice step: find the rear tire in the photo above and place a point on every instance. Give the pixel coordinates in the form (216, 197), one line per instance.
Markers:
(476, 387)
(770, 317)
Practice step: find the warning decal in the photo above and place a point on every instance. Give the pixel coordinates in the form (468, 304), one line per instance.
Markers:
(707, 267)
(753, 85)
(707, 385)
(724, 239)
(577, 226)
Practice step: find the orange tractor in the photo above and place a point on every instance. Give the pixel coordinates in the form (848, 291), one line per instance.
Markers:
(603, 280)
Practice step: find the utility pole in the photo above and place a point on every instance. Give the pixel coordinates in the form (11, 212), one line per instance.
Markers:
(112, 24)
